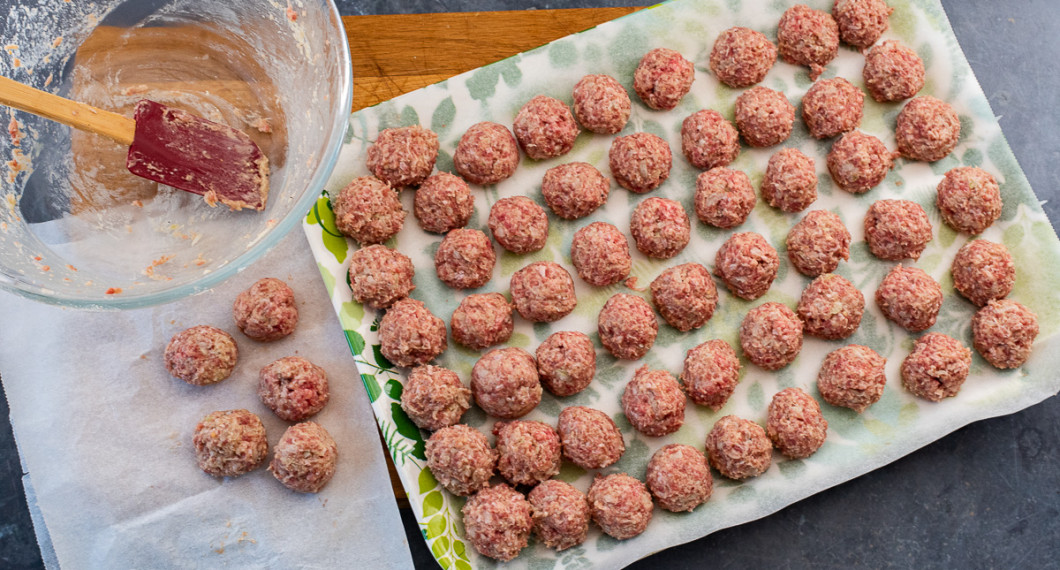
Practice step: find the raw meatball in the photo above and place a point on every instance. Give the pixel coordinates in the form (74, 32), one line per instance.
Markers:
(380, 275)
(653, 402)
(201, 355)
(620, 504)
(305, 458)
(1003, 333)
(465, 259)
(442, 203)
(529, 451)
(708, 140)
(771, 335)
(566, 362)
(368, 210)
(663, 78)
(482, 320)
(679, 477)
(410, 335)
(543, 292)
(627, 326)
(294, 388)
(640, 162)
(893, 72)
(861, 22)
(403, 156)
(928, 129)
(790, 182)
(710, 373)
(519, 224)
(747, 264)
(969, 199)
(486, 154)
(796, 425)
(739, 448)
(574, 190)
(832, 107)
(461, 459)
(497, 522)
(434, 397)
(600, 254)
(910, 298)
(983, 271)
(742, 57)
(591, 439)
(685, 296)
(505, 383)
(601, 104)
(764, 117)
(852, 377)
(230, 443)
(807, 37)
(724, 197)
(897, 229)
(937, 367)
(561, 514)
(545, 128)
(266, 311)
(859, 162)
(831, 307)
(660, 227)
(818, 243)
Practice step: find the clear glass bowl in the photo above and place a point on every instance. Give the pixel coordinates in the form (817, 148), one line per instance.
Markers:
(75, 228)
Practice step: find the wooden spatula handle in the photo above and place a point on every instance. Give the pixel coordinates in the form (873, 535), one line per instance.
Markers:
(78, 115)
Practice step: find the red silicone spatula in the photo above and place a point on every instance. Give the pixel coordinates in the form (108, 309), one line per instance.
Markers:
(166, 145)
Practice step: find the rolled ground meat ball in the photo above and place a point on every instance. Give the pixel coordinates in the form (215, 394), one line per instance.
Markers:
(969, 199)
(591, 439)
(640, 162)
(486, 154)
(927, 129)
(461, 459)
(600, 254)
(601, 104)
(566, 362)
(893, 72)
(818, 243)
(482, 320)
(621, 505)
(304, 460)
(859, 162)
(771, 335)
(764, 116)
(653, 402)
(497, 522)
(368, 210)
(831, 307)
(790, 182)
(685, 296)
(937, 367)
(543, 292)
(410, 335)
(561, 514)
(708, 140)
(852, 377)
(266, 311)
(897, 229)
(380, 275)
(832, 107)
(294, 388)
(663, 78)
(403, 156)
(796, 425)
(627, 326)
(434, 397)
(442, 203)
(861, 22)
(739, 448)
(679, 477)
(747, 264)
(742, 57)
(1003, 332)
(201, 355)
(230, 443)
(910, 298)
(807, 37)
(710, 373)
(505, 383)
(724, 197)
(574, 190)
(518, 224)
(465, 259)
(529, 451)
(983, 271)
(545, 128)
(660, 227)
